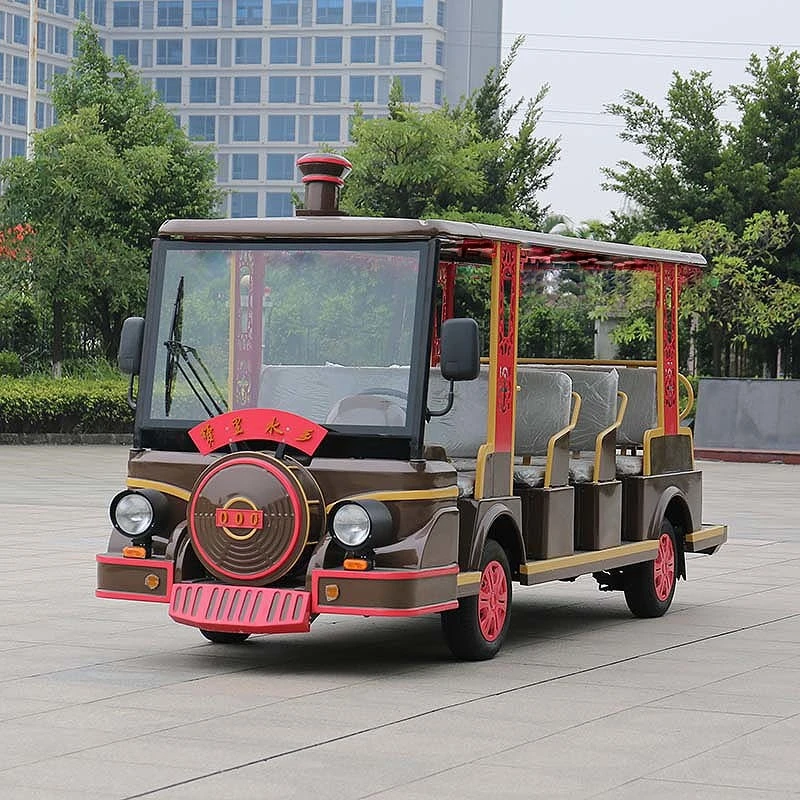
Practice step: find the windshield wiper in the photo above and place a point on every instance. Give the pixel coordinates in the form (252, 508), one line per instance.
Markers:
(186, 360)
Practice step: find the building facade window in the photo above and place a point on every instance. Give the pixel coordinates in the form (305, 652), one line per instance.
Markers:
(202, 90)
(19, 70)
(60, 40)
(169, 89)
(364, 11)
(362, 50)
(280, 167)
(326, 127)
(282, 89)
(440, 53)
(441, 13)
(41, 36)
(19, 111)
(17, 146)
(128, 49)
(99, 13)
(204, 51)
(20, 32)
(39, 116)
(283, 50)
(170, 13)
(79, 8)
(280, 128)
(204, 13)
(362, 88)
(412, 87)
(408, 49)
(437, 92)
(327, 89)
(246, 128)
(169, 51)
(284, 12)
(244, 204)
(328, 50)
(248, 51)
(62, 7)
(330, 12)
(279, 204)
(408, 10)
(202, 127)
(249, 12)
(247, 89)
(244, 166)
(126, 14)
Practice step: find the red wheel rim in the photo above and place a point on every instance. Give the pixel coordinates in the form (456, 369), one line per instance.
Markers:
(492, 600)
(664, 567)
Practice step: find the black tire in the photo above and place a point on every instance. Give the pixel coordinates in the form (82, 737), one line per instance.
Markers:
(650, 586)
(467, 637)
(220, 637)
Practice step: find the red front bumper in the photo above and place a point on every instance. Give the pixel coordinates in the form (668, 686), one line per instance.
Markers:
(241, 609)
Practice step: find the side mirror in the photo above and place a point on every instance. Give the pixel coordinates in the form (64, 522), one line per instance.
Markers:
(129, 357)
(460, 350)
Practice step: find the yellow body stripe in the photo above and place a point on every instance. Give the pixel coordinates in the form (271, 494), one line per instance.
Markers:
(166, 488)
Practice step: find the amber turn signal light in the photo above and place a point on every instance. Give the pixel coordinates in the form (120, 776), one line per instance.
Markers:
(134, 551)
(356, 563)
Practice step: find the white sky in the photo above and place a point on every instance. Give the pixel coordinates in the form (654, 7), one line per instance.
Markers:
(590, 52)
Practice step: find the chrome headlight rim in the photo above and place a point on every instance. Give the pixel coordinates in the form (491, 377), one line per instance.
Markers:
(377, 524)
(358, 535)
(154, 511)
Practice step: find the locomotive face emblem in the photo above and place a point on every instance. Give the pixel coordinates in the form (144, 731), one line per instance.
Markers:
(242, 514)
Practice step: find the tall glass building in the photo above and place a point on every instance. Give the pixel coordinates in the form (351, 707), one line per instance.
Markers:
(264, 80)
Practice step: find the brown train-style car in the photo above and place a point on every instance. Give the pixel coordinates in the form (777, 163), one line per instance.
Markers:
(317, 433)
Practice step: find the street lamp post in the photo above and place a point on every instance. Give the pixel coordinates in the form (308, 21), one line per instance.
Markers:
(33, 30)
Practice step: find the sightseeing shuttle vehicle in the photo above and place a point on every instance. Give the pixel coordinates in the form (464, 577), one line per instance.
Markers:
(317, 432)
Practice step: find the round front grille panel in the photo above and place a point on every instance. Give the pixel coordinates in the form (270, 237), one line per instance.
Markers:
(248, 518)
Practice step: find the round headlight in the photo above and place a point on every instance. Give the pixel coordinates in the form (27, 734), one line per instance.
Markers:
(132, 514)
(351, 525)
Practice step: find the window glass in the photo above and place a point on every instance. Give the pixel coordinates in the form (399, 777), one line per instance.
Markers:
(204, 51)
(248, 51)
(244, 166)
(61, 6)
(202, 127)
(247, 89)
(328, 50)
(17, 146)
(330, 12)
(246, 128)
(244, 204)
(362, 50)
(249, 12)
(326, 127)
(284, 12)
(364, 11)
(169, 89)
(327, 89)
(280, 128)
(170, 13)
(408, 48)
(169, 51)
(408, 10)
(440, 53)
(61, 40)
(40, 116)
(127, 48)
(441, 13)
(362, 88)
(203, 90)
(204, 12)
(19, 111)
(279, 204)
(19, 70)
(282, 89)
(126, 14)
(437, 92)
(283, 50)
(79, 8)
(412, 87)
(20, 34)
(280, 167)
(99, 14)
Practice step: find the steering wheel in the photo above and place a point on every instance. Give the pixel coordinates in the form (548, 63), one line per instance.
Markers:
(368, 408)
(382, 390)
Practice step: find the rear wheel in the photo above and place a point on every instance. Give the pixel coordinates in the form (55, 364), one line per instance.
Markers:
(650, 587)
(220, 637)
(476, 630)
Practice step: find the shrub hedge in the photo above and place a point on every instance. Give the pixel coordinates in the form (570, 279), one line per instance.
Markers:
(69, 405)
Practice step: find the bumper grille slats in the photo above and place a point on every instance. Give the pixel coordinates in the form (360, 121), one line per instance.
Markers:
(241, 609)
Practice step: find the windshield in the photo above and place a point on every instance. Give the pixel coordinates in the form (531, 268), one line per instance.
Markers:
(326, 333)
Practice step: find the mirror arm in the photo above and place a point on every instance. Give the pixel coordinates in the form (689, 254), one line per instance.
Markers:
(131, 398)
(447, 409)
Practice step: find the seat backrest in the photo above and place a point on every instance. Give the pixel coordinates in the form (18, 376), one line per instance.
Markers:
(639, 383)
(544, 400)
(463, 429)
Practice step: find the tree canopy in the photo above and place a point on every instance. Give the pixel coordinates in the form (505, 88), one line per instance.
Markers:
(99, 184)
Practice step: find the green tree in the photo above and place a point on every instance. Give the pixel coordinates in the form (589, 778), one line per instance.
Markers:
(97, 188)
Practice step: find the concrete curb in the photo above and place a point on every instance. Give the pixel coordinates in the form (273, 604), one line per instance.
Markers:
(66, 438)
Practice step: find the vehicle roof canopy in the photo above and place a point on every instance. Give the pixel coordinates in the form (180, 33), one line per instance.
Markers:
(461, 241)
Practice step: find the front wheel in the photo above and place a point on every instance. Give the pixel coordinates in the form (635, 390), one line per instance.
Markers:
(220, 637)
(650, 587)
(476, 630)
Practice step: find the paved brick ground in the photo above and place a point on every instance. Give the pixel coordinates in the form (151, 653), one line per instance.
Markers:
(105, 699)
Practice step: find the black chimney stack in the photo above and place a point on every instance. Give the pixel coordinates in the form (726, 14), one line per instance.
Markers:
(323, 176)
